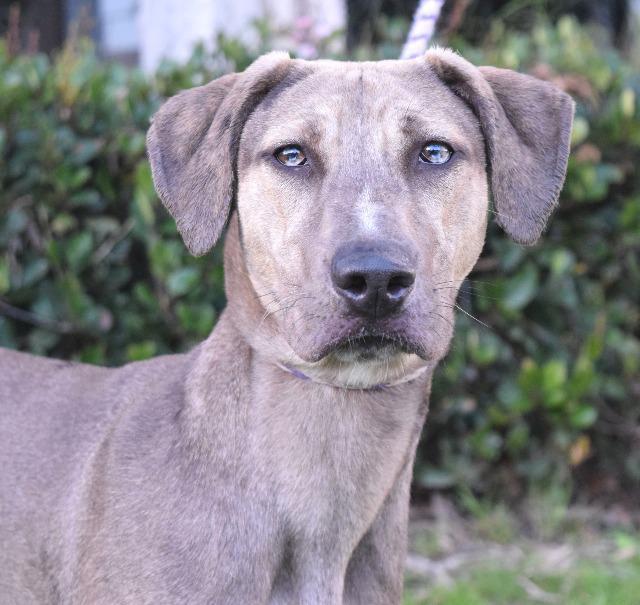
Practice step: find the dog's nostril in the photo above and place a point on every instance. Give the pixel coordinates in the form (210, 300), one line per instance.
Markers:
(395, 290)
(355, 284)
(398, 284)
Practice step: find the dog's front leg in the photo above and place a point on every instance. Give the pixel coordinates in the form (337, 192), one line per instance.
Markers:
(375, 572)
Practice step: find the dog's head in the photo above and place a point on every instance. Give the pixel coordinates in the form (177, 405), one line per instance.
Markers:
(362, 194)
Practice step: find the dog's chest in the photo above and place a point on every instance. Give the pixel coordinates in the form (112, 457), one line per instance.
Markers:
(331, 458)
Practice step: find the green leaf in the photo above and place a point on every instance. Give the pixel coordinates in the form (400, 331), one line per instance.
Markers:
(583, 376)
(520, 289)
(483, 346)
(512, 397)
(554, 378)
(144, 195)
(94, 353)
(434, 478)
(141, 350)
(583, 416)
(561, 262)
(69, 178)
(15, 222)
(4, 276)
(86, 150)
(78, 250)
(33, 272)
(517, 437)
(580, 131)
(182, 281)
(76, 300)
(487, 444)
(41, 341)
(145, 296)
(628, 102)
(198, 319)
(62, 223)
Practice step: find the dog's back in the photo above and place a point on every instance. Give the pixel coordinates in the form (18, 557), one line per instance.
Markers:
(57, 418)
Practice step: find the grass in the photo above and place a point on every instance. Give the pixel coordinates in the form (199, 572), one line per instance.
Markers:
(460, 560)
(586, 583)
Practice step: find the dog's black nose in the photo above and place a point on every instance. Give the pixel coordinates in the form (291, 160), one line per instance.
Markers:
(373, 283)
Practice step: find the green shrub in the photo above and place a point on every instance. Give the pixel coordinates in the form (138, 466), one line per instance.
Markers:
(91, 267)
(85, 247)
(551, 389)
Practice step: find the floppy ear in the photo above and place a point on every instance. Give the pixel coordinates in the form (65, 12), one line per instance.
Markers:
(193, 144)
(527, 126)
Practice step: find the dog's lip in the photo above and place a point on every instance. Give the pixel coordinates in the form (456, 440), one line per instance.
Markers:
(368, 341)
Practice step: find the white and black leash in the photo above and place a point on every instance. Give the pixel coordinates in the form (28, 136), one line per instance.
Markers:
(422, 28)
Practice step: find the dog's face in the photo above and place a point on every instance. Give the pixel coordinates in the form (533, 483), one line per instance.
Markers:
(362, 197)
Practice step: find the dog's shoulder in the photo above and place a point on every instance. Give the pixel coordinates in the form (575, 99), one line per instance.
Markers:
(24, 372)
(37, 390)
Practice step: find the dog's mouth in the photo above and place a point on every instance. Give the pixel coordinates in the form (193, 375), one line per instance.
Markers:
(362, 355)
(369, 346)
(365, 359)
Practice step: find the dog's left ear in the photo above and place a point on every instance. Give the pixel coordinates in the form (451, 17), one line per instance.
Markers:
(527, 127)
(193, 145)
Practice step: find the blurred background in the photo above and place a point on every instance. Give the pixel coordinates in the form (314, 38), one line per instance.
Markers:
(527, 484)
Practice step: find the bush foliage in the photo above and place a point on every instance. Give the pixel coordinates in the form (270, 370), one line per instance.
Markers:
(92, 268)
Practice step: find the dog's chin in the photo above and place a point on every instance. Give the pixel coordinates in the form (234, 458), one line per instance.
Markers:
(366, 361)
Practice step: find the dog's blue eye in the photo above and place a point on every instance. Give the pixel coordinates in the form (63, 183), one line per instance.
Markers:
(436, 153)
(290, 155)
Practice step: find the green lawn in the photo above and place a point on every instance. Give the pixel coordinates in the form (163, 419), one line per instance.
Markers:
(491, 561)
(586, 583)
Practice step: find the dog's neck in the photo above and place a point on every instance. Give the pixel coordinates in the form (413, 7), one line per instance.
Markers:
(330, 457)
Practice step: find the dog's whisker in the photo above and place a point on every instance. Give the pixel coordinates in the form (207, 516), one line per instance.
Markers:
(442, 317)
(265, 294)
(284, 306)
(468, 279)
(473, 292)
(459, 308)
(472, 317)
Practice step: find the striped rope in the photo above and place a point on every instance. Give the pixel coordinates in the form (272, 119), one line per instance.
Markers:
(422, 28)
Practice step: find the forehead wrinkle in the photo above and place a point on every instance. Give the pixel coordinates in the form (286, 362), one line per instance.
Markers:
(386, 105)
(426, 106)
(315, 119)
(304, 131)
(434, 125)
(363, 125)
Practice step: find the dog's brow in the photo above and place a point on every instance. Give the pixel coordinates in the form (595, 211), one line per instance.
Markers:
(416, 125)
(412, 121)
(304, 132)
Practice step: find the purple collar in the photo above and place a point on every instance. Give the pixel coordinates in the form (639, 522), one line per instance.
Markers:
(377, 387)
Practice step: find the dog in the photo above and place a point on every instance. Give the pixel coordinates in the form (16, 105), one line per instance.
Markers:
(272, 463)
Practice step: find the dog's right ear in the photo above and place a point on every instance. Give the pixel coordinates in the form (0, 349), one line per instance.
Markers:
(193, 145)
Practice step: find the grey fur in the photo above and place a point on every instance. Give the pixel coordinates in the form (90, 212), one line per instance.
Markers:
(217, 477)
